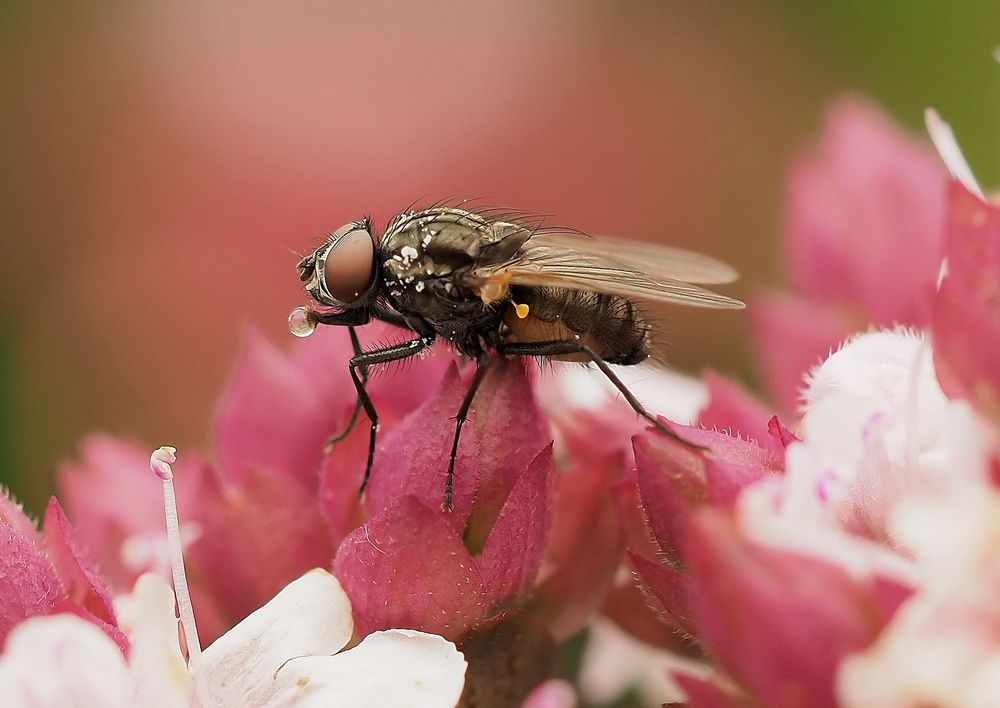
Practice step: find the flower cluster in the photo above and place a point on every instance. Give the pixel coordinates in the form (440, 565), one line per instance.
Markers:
(835, 544)
(853, 560)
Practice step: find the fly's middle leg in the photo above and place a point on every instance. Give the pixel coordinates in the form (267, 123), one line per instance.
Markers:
(482, 366)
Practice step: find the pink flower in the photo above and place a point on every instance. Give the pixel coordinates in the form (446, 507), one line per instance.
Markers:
(413, 565)
(943, 646)
(267, 512)
(45, 574)
(858, 565)
(285, 653)
(732, 409)
(866, 196)
(877, 429)
(776, 616)
(966, 317)
(269, 490)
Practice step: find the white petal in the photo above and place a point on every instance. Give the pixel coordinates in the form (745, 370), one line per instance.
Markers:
(62, 661)
(388, 669)
(310, 616)
(660, 390)
(947, 147)
(160, 673)
(615, 662)
(882, 386)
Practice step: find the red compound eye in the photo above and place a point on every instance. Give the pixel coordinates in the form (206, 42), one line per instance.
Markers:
(350, 269)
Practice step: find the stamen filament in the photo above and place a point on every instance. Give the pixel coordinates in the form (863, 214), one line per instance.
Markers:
(160, 462)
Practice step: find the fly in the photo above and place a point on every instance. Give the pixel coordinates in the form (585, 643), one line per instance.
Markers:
(497, 285)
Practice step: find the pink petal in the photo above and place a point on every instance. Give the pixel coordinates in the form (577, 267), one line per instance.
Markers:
(322, 360)
(412, 459)
(513, 550)
(339, 481)
(591, 435)
(554, 693)
(110, 497)
(406, 568)
(671, 484)
(28, 583)
(779, 622)
(725, 480)
(727, 448)
(255, 539)
(12, 515)
(638, 536)
(966, 322)
(870, 193)
(272, 417)
(674, 478)
(396, 388)
(731, 408)
(584, 547)
(400, 388)
(782, 434)
(791, 336)
(668, 589)
(628, 606)
(510, 431)
(83, 585)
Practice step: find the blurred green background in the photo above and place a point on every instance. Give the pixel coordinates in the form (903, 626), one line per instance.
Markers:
(161, 159)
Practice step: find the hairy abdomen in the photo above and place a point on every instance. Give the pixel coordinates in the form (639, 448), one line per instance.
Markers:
(609, 325)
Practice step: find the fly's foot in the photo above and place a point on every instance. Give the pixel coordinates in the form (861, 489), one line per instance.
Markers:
(660, 427)
(447, 506)
(334, 439)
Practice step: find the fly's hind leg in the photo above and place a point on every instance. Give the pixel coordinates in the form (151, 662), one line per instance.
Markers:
(572, 346)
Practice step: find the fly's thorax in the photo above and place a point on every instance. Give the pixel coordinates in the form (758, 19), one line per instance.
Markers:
(424, 249)
(408, 267)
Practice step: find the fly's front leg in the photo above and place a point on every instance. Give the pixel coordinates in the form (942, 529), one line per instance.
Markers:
(351, 319)
(361, 362)
(334, 439)
(573, 346)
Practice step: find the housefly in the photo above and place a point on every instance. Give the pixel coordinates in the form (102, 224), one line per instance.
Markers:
(497, 284)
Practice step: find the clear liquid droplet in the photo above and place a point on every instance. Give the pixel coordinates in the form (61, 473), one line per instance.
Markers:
(302, 322)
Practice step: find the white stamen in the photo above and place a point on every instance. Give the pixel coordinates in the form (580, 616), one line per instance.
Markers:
(947, 147)
(159, 463)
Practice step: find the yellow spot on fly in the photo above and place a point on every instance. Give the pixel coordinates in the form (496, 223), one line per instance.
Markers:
(521, 310)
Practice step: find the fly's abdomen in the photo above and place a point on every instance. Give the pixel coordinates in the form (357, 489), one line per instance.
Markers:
(609, 325)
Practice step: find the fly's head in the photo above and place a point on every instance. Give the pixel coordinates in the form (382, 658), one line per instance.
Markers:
(341, 272)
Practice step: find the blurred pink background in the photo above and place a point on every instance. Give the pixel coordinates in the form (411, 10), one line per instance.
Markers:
(163, 158)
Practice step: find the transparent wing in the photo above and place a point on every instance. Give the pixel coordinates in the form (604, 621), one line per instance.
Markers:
(655, 261)
(543, 262)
